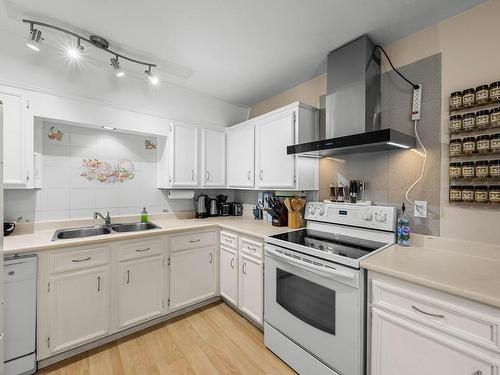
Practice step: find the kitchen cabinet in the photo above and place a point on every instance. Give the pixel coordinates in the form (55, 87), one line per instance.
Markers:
(141, 290)
(229, 274)
(79, 308)
(213, 158)
(183, 156)
(251, 287)
(193, 276)
(18, 141)
(240, 155)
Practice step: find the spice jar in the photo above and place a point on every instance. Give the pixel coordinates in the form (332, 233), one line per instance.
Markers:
(495, 142)
(495, 117)
(481, 194)
(469, 146)
(482, 119)
(469, 121)
(482, 169)
(455, 193)
(482, 94)
(495, 168)
(455, 170)
(483, 144)
(494, 91)
(455, 147)
(456, 100)
(468, 98)
(455, 124)
(494, 195)
(468, 193)
(468, 169)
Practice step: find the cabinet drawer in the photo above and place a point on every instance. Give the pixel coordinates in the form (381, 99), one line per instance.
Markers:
(462, 319)
(252, 248)
(140, 249)
(79, 259)
(229, 239)
(193, 240)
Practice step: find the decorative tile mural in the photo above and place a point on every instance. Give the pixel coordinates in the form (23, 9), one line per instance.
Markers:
(108, 172)
(55, 134)
(149, 145)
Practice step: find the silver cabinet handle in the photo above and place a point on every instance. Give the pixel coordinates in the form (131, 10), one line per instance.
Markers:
(208, 176)
(249, 175)
(98, 283)
(427, 313)
(141, 250)
(211, 257)
(252, 249)
(232, 263)
(227, 240)
(193, 176)
(478, 372)
(244, 268)
(81, 260)
(261, 175)
(193, 241)
(128, 276)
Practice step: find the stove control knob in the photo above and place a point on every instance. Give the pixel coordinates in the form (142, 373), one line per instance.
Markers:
(322, 211)
(381, 217)
(312, 210)
(367, 216)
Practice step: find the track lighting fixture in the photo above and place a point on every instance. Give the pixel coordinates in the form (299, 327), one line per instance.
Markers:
(116, 65)
(76, 52)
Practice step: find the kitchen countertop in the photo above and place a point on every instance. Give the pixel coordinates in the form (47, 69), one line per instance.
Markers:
(41, 240)
(466, 269)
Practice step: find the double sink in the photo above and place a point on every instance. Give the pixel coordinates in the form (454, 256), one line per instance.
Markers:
(64, 234)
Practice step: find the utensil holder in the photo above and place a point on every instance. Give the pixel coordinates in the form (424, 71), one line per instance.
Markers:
(294, 220)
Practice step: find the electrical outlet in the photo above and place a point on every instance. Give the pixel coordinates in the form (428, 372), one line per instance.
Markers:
(417, 103)
(420, 209)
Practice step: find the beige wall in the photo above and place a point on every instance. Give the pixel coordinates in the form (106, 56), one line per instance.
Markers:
(469, 45)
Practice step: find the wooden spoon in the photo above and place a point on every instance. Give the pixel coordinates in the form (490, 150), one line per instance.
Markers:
(288, 205)
(297, 204)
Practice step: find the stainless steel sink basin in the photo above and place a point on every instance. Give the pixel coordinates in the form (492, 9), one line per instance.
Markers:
(133, 227)
(64, 234)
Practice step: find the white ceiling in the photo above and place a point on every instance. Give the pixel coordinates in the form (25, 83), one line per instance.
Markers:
(242, 51)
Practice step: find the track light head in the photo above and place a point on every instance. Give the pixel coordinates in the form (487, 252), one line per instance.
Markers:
(116, 65)
(151, 77)
(34, 39)
(77, 51)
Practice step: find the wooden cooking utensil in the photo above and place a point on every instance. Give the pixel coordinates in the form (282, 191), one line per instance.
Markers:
(298, 204)
(288, 204)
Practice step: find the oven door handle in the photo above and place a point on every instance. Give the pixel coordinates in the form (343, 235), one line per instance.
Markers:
(311, 267)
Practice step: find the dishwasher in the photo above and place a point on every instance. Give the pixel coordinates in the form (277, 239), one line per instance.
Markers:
(20, 314)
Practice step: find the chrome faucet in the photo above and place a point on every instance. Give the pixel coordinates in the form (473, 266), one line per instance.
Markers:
(107, 219)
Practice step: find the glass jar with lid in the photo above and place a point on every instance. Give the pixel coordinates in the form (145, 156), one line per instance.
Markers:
(482, 119)
(481, 194)
(468, 98)
(469, 145)
(455, 193)
(469, 121)
(468, 193)
(468, 169)
(482, 169)
(455, 170)
(455, 147)
(483, 144)
(494, 194)
(495, 117)
(482, 94)
(495, 168)
(495, 142)
(456, 100)
(455, 124)
(495, 91)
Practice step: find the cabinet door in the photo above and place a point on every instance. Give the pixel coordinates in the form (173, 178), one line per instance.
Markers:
(250, 288)
(214, 158)
(240, 156)
(79, 308)
(400, 347)
(15, 139)
(229, 274)
(274, 168)
(183, 156)
(140, 293)
(193, 276)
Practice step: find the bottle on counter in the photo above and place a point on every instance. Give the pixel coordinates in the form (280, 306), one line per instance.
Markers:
(403, 229)
(144, 215)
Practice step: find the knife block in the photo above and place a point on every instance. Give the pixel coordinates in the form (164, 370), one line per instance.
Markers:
(281, 220)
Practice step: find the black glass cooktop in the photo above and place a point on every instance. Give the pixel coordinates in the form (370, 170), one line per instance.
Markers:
(337, 244)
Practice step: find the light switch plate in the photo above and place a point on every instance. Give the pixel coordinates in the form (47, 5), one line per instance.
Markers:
(420, 209)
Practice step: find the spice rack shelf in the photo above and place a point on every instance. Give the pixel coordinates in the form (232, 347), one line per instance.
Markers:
(486, 156)
(486, 180)
(475, 132)
(480, 204)
(476, 107)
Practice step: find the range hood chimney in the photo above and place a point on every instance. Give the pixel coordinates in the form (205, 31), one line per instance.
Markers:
(352, 120)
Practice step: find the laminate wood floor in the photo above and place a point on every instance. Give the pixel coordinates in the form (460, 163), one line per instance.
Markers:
(212, 340)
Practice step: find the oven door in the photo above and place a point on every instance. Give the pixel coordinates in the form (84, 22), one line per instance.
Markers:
(318, 308)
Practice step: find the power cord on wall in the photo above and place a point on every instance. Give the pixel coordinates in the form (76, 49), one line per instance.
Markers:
(423, 166)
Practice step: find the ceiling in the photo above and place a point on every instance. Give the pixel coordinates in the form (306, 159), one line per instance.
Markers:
(239, 50)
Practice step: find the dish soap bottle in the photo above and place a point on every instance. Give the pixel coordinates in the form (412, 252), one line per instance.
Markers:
(144, 215)
(403, 230)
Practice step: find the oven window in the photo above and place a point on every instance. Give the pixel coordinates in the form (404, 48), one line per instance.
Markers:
(308, 301)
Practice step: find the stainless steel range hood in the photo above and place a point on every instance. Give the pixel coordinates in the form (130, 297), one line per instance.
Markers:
(352, 120)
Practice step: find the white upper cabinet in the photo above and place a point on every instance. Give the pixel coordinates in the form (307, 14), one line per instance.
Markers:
(240, 156)
(213, 158)
(183, 156)
(17, 142)
(274, 168)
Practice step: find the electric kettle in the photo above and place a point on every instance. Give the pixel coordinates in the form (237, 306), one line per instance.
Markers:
(214, 207)
(201, 203)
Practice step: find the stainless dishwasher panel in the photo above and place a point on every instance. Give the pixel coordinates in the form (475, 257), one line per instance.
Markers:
(20, 314)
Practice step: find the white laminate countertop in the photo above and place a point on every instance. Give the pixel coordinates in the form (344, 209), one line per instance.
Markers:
(466, 269)
(41, 240)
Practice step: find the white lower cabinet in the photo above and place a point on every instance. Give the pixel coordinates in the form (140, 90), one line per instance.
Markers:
(193, 276)
(251, 287)
(79, 308)
(141, 290)
(229, 274)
